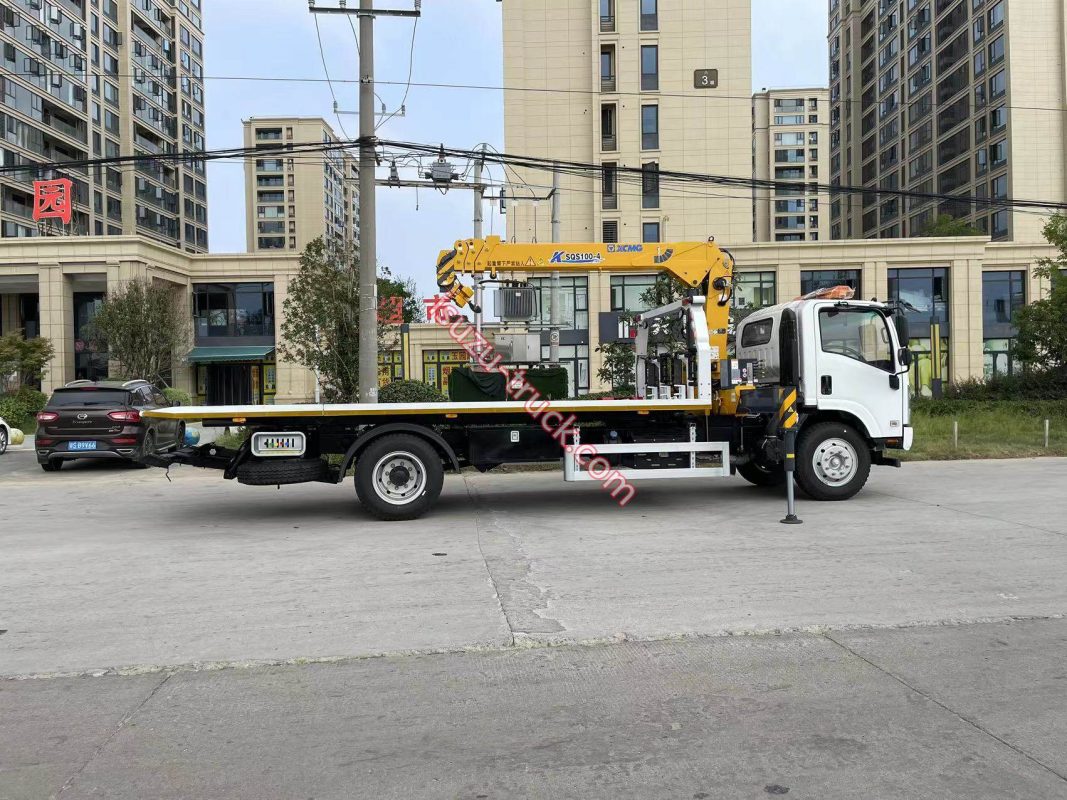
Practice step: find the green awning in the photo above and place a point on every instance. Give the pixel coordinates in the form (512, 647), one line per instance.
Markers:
(224, 355)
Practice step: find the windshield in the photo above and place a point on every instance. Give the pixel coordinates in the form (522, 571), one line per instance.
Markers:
(77, 398)
(857, 333)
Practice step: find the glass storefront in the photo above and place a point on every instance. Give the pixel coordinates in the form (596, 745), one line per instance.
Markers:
(814, 279)
(925, 290)
(89, 362)
(1003, 293)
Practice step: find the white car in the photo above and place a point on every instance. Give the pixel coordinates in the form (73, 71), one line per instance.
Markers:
(5, 436)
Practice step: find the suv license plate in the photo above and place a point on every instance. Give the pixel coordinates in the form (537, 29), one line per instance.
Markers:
(82, 446)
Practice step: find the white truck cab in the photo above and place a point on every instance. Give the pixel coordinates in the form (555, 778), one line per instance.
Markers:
(849, 361)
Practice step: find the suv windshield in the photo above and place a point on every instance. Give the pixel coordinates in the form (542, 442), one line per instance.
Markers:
(71, 398)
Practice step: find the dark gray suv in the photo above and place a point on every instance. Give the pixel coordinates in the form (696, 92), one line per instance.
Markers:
(102, 419)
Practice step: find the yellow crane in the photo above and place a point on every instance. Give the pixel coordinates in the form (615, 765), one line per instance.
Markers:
(703, 266)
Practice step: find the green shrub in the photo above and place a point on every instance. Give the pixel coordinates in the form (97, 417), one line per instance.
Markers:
(20, 407)
(622, 393)
(410, 392)
(177, 396)
(233, 439)
(1033, 385)
(949, 407)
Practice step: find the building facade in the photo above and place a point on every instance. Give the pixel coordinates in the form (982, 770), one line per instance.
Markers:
(964, 292)
(292, 198)
(637, 84)
(92, 80)
(955, 97)
(791, 144)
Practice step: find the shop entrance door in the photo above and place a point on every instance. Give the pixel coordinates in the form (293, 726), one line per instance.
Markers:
(229, 385)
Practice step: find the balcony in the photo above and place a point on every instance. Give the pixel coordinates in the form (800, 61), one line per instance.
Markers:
(609, 142)
(607, 24)
(607, 83)
(610, 202)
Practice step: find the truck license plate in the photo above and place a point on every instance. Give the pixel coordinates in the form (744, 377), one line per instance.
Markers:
(82, 446)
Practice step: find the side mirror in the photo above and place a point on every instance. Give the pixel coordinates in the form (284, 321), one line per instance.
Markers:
(905, 357)
(901, 323)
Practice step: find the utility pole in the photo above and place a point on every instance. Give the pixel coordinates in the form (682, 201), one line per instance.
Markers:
(479, 196)
(553, 334)
(368, 235)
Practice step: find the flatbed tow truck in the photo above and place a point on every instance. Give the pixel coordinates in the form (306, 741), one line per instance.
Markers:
(814, 389)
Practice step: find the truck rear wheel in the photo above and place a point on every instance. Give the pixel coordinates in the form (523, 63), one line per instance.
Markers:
(399, 477)
(760, 474)
(833, 461)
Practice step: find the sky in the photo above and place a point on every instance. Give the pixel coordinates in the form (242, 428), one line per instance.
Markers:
(457, 41)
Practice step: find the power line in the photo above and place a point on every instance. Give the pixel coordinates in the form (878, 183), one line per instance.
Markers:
(325, 69)
(538, 163)
(411, 69)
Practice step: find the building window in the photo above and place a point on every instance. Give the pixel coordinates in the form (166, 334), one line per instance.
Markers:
(650, 185)
(610, 231)
(609, 197)
(576, 360)
(754, 290)
(609, 135)
(649, 15)
(926, 290)
(574, 302)
(607, 68)
(1000, 224)
(234, 309)
(628, 291)
(650, 232)
(649, 67)
(813, 279)
(650, 127)
(1003, 294)
(607, 16)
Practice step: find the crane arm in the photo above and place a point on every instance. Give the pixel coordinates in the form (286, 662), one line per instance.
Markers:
(700, 265)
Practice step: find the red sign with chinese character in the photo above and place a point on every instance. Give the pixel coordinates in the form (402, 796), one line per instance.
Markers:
(52, 200)
(391, 310)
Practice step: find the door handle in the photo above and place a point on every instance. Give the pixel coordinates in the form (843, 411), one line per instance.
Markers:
(826, 384)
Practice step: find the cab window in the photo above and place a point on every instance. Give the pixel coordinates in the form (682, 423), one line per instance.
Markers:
(857, 333)
(757, 332)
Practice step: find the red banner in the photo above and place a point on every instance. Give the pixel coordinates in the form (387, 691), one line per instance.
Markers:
(391, 310)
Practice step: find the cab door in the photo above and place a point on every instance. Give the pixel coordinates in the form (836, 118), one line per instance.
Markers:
(857, 370)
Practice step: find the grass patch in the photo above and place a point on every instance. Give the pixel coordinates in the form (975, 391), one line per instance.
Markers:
(1008, 429)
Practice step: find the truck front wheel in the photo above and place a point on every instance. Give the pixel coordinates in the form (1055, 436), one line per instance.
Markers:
(833, 461)
(399, 477)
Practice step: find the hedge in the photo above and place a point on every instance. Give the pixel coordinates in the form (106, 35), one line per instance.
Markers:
(20, 408)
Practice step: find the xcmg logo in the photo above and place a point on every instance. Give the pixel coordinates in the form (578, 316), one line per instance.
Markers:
(625, 248)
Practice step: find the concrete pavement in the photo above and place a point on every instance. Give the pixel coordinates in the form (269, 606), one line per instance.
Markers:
(880, 714)
(908, 643)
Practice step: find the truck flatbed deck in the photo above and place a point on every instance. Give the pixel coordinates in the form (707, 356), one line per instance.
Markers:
(598, 408)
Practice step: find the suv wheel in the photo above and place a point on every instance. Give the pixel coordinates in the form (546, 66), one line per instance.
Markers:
(3, 441)
(148, 447)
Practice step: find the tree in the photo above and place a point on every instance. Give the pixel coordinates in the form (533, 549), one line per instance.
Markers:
(1042, 325)
(320, 328)
(947, 225)
(619, 370)
(23, 359)
(143, 326)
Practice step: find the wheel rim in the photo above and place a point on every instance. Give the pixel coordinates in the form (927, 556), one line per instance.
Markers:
(399, 478)
(835, 462)
(3, 441)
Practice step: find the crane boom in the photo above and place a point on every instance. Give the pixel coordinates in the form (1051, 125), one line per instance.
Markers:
(703, 266)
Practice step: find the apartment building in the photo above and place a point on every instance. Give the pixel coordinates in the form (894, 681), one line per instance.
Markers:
(294, 197)
(642, 84)
(85, 80)
(791, 146)
(956, 97)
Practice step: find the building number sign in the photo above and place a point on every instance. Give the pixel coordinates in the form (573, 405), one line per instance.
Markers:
(706, 79)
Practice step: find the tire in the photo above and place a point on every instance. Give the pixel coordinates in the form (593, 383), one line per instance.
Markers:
(276, 472)
(52, 465)
(833, 461)
(761, 474)
(3, 441)
(148, 447)
(399, 477)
